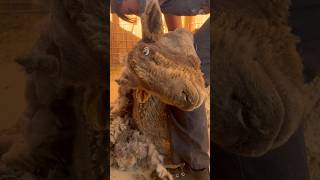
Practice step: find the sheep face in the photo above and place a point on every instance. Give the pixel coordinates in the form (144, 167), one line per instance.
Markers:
(169, 69)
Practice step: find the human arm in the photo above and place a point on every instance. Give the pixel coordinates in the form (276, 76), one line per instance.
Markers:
(173, 22)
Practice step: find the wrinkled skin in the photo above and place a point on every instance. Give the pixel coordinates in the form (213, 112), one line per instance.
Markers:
(171, 70)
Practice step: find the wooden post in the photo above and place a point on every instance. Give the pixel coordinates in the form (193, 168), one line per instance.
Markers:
(188, 23)
(115, 18)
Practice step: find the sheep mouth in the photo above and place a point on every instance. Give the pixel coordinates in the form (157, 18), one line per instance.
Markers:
(191, 97)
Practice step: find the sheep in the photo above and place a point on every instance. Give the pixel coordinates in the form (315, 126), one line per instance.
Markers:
(260, 98)
(161, 70)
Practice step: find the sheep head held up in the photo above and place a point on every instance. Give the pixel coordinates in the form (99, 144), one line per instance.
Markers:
(166, 65)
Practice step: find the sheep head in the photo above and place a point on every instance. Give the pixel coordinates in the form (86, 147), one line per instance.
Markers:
(166, 65)
(259, 96)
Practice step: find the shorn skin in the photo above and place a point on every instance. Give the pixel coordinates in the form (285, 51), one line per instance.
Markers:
(161, 70)
(259, 96)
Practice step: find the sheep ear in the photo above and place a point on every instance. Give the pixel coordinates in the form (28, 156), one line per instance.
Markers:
(151, 21)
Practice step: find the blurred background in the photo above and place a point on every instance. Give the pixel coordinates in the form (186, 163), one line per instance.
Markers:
(20, 24)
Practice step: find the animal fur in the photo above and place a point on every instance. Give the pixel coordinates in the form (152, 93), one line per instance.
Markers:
(259, 95)
(169, 74)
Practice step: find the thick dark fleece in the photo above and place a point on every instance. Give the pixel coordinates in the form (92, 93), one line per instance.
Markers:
(258, 94)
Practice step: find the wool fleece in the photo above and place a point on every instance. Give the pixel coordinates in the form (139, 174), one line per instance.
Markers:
(259, 97)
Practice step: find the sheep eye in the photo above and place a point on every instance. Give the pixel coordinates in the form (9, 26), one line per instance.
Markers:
(146, 51)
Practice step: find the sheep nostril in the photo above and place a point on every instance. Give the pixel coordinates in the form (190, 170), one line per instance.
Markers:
(185, 96)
